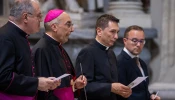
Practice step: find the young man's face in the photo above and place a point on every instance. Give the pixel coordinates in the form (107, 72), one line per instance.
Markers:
(135, 41)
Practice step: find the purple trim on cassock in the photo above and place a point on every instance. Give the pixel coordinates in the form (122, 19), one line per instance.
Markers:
(4, 96)
(65, 93)
(10, 82)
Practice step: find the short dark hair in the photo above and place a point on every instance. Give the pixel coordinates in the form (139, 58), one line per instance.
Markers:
(133, 27)
(103, 20)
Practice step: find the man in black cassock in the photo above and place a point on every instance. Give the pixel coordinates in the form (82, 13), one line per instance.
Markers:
(98, 63)
(16, 69)
(52, 60)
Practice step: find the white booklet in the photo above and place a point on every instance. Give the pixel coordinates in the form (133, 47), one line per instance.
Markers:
(62, 76)
(137, 81)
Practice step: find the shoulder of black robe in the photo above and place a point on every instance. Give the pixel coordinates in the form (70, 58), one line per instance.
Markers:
(15, 62)
(96, 67)
(48, 62)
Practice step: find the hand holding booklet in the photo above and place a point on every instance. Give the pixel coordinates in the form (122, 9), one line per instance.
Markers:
(62, 76)
(137, 81)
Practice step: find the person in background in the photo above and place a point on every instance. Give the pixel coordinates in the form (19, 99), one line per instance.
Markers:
(51, 59)
(17, 81)
(130, 66)
(97, 62)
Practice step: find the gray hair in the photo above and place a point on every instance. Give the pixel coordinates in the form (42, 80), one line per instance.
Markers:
(20, 6)
(48, 24)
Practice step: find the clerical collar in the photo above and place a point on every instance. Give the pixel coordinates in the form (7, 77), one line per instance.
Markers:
(14, 23)
(24, 34)
(106, 48)
(48, 37)
(130, 54)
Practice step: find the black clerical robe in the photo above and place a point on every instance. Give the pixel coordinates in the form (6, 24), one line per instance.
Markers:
(99, 67)
(15, 62)
(51, 60)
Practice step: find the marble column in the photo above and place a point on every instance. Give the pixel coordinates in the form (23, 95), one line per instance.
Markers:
(6, 7)
(164, 20)
(129, 13)
(168, 42)
(5, 12)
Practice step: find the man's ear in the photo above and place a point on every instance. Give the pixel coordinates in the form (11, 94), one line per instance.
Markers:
(124, 40)
(99, 31)
(54, 27)
(25, 17)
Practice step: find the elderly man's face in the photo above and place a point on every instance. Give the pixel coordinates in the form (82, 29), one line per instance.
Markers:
(65, 27)
(35, 18)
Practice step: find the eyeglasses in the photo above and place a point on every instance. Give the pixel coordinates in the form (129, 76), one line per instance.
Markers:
(68, 24)
(135, 40)
(39, 16)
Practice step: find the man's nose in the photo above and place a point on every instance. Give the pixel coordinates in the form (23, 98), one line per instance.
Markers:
(138, 43)
(116, 36)
(72, 29)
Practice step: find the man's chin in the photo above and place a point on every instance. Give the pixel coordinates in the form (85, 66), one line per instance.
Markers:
(111, 44)
(66, 41)
(136, 53)
(35, 32)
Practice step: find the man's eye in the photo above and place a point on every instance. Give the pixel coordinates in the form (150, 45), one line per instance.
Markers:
(134, 40)
(141, 41)
(113, 32)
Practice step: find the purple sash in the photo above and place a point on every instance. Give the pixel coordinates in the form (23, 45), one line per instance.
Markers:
(4, 96)
(65, 93)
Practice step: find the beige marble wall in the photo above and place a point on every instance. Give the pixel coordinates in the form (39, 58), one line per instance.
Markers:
(6, 7)
(163, 19)
(167, 43)
(163, 16)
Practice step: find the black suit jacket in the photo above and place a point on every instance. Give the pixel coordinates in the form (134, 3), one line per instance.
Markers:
(15, 62)
(129, 71)
(99, 67)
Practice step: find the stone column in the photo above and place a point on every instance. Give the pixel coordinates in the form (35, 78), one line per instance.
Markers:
(129, 13)
(168, 42)
(6, 7)
(164, 71)
(5, 12)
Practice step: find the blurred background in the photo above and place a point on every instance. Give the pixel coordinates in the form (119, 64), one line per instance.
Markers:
(157, 17)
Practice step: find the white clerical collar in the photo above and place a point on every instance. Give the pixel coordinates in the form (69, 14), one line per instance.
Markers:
(102, 44)
(17, 26)
(51, 37)
(14, 23)
(131, 55)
